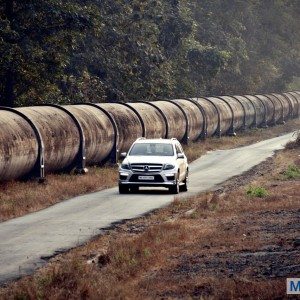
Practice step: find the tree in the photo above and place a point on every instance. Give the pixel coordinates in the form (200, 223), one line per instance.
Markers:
(55, 51)
(37, 38)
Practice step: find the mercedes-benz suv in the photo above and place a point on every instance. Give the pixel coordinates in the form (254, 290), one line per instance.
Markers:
(154, 162)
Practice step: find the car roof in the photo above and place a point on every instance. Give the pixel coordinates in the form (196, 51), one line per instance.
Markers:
(156, 141)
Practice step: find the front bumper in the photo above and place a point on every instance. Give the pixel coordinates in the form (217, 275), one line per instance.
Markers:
(165, 178)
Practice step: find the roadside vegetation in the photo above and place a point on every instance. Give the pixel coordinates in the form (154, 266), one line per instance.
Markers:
(21, 197)
(220, 244)
(18, 198)
(140, 50)
(256, 191)
(292, 172)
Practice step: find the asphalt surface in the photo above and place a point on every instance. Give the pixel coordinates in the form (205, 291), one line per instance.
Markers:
(27, 242)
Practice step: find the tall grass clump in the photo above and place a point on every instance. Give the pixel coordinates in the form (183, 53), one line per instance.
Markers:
(292, 172)
(258, 192)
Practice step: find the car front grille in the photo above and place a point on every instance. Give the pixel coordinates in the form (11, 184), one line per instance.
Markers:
(135, 178)
(146, 168)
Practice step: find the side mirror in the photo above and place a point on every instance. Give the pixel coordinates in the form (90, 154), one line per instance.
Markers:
(180, 155)
(123, 154)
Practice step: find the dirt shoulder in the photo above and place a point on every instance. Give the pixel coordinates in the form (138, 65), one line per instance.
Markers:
(18, 198)
(241, 241)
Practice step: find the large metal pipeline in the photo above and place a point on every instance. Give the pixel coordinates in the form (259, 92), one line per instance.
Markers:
(39, 139)
(195, 118)
(129, 124)
(249, 111)
(294, 105)
(175, 118)
(151, 115)
(287, 106)
(59, 133)
(18, 145)
(269, 108)
(238, 112)
(211, 114)
(98, 130)
(296, 96)
(278, 108)
(260, 110)
(226, 114)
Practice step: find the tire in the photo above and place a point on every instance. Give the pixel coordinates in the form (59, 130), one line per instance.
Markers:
(123, 189)
(184, 187)
(175, 188)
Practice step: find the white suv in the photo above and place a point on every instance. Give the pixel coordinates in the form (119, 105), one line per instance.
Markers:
(154, 162)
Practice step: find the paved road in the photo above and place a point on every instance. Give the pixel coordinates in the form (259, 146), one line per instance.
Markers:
(26, 241)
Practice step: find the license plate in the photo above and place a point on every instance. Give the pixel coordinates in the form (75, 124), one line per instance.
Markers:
(146, 177)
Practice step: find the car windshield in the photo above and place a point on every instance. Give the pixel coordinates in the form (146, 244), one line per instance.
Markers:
(152, 149)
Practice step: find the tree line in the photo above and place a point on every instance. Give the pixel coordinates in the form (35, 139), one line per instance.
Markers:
(73, 51)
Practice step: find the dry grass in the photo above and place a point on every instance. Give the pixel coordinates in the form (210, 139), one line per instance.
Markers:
(242, 245)
(124, 258)
(19, 198)
(216, 245)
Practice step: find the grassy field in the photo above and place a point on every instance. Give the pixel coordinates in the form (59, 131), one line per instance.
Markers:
(18, 198)
(229, 244)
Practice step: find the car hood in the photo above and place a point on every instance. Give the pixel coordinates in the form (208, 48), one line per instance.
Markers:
(150, 160)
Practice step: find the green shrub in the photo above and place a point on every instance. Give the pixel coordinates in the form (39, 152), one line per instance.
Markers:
(292, 172)
(258, 191)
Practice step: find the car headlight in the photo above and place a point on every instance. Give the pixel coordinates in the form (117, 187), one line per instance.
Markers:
(125, 166)
(169, 167)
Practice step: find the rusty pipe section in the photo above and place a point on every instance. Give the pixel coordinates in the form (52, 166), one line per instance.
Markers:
(18, 145)
(211, 114)
(295, 96)
(98, 130)
(151, 115)
(278, 110)
(59, 134)
(47, 138)
(260, 110)
(295, 105)
(195, 118)
(270, 109)
(226, 115)
(129, 124)
(287, 106)
(175, 118)
(249, 111)
(238, 112)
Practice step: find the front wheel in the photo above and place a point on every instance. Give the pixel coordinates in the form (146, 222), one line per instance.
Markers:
(123, 189)
(184, 187)
(174, 189)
